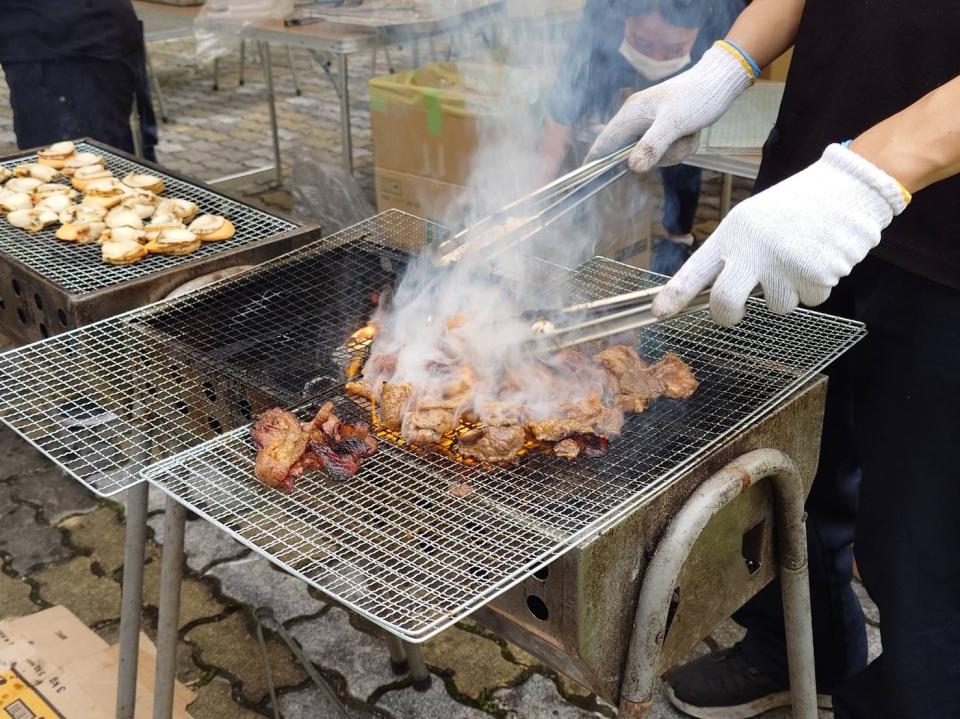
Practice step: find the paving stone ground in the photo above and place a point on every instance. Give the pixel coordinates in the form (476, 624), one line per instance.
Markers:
(60, 544)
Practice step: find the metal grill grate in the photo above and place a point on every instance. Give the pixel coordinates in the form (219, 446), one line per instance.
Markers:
(153, 389)
(79, 269)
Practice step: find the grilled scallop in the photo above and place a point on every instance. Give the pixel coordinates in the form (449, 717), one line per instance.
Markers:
(174, 242)
(122, 252)
(184, 209)
(80, 232)
(81, 159)
(5, 174)
(160, 222)
(212, 228)
(143, 202)
(33, 220)
(83, 176)
(10, 200)
(44, 173)
(144, 182)
(124, 233)
(56, 203)
(22, 184)
(107, 192)
(53, 188)
(123, 217)
(57, 154)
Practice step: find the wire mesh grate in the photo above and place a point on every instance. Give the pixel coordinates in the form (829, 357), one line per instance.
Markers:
(393, 543)
(167, 393)
(79, 269)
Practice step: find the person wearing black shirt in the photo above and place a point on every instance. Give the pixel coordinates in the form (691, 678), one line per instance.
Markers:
(855, 210)
(73, 69)
(620, 47)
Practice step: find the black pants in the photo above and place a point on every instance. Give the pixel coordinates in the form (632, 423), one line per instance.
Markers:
(893, 407)
(681, 194)
(64, 99)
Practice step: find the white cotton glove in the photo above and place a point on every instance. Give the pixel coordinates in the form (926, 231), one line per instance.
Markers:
(795, 239)
(667, 118)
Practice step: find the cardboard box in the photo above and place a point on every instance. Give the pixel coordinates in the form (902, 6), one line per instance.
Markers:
(52, 665)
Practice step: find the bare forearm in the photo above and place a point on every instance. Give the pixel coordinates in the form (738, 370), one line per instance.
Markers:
(767, 28)
(921, 144)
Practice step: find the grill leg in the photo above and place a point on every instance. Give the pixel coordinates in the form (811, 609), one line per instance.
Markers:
(636, 694)
(157, 91)
(171, 571)
(131, 598)
(418, 668)
(398, 656)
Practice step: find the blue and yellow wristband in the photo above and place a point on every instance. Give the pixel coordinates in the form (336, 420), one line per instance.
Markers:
(742, 56)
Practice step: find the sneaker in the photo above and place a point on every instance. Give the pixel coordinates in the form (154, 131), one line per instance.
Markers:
(669, 256)
(723, 685)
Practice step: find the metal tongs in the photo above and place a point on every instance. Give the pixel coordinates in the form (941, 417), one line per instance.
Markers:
(522, 219)
(590, 321)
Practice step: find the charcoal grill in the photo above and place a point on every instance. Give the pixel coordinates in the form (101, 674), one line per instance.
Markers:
(48, 286)
(175, 384)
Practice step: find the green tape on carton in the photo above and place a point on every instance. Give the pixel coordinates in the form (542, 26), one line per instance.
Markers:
(378, 102)
(431, 101)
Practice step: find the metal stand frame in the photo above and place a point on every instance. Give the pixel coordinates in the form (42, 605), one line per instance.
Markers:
(650, 623)
(135, 541)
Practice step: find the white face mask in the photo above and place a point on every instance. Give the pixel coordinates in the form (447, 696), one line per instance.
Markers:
(650, 68)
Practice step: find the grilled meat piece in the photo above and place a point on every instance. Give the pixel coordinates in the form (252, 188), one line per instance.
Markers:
(620, 359)
(281, 442)
(568, 449)
(588, 445)
(493, 444)
(635, 385)
(393, 399)
(363, 389)
(428, 426)
(676, 375)
(586, 416)
(287, 449)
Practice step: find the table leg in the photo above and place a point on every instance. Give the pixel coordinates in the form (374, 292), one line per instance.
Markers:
(131, 598)
(398, 655)
(152, 75)
(293, 72)
(171, 572)
(726, 190)
(136, 131)
(346, 137)
(272, 107)
(243, 52)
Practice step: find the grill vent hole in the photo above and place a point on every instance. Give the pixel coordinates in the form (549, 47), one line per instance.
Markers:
(182, 406)
(43, 330)
(3, 305)
(538, 607)
(542, 573)
(62, 318)
(752, 547)
(21, 316)
(16, 288)
(246, 411)
(215, 425)
(37, 301)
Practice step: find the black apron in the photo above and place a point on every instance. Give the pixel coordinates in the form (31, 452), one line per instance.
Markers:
(855, 63)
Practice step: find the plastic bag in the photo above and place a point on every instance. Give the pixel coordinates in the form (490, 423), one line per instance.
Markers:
(220, 23)
(326, 195)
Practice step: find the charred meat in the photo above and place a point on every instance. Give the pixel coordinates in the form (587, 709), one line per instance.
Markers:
(287, 448)
(281, 442)
(393, 400)
(587, 445)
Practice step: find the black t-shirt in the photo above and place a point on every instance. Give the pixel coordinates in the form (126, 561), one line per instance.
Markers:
(36, 30)
(855, 63)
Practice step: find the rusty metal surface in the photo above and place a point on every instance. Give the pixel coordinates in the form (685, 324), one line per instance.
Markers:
(591, 592)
